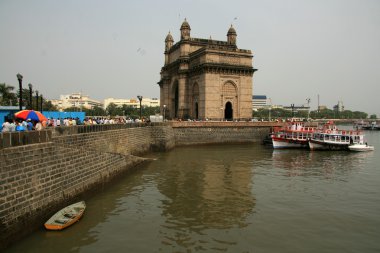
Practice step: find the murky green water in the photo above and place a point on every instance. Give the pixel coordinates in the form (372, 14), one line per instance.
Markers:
(232, 198)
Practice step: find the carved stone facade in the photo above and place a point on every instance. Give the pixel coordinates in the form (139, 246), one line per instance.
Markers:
(205, 78)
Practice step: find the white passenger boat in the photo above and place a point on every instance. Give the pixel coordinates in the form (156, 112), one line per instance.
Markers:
(361, 147)
(332, 138)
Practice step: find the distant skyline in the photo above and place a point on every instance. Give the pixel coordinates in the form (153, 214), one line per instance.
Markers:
(115, 48)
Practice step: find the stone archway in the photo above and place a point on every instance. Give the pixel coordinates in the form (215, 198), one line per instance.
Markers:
(228, 111)
(229, 100)
(195, 101)
(175, 96)
(196, 110)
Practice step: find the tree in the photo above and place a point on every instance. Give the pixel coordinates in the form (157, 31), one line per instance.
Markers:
(98, 111)
(7, 96)
(72, 109)
(373, 116)
(48, 106)
(114, 110)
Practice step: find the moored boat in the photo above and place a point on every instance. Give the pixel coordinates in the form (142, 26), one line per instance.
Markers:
(66, 216)
(331, 138)
(294, 135)
(358, 147)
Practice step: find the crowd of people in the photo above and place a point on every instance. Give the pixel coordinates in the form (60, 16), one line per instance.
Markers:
(14, 125)
(18, 125)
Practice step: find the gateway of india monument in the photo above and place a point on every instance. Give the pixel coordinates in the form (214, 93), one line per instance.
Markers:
(206, 78)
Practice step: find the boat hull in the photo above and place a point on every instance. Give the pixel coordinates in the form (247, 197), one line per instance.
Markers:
(319, 145)
(66, 216)
(279, 143)
(360, 148)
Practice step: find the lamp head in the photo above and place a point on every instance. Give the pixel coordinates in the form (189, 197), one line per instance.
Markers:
(19, 77)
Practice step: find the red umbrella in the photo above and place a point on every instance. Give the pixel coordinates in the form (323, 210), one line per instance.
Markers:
(30, 114)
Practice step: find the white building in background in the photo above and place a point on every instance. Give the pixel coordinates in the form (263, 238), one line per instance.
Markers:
(133, 102)
(259, 101)
(75, 100)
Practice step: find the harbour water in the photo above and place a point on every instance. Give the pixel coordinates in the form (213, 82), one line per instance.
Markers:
(232, 198)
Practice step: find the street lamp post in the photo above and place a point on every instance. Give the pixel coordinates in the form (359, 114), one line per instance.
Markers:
(270, 109)
(30, 96)
(41, 102)
(164, 112)
(140, 98)
(36, 100)
(19, 78)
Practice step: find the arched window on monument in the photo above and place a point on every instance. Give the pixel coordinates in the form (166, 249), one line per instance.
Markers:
(175, 99)
(195, 101)
(229, 99)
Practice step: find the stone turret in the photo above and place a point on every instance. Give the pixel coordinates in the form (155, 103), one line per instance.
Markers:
(185, 30)
(231, 36)
(168, 42)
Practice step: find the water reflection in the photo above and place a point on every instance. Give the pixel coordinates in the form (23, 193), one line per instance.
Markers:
(211, 190)
(307, 163)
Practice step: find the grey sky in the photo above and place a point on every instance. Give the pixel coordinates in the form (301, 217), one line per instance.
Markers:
(302, 48)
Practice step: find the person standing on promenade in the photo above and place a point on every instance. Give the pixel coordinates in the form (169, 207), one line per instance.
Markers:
(29, 125)
(38, 126)
(6, 127)
(19, 126)
(25, 124)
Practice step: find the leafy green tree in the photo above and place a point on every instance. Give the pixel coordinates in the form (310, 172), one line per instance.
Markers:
(359, 115)
(130, 111)
(373, 116)
(150, 110)
(98, 111)
(114, 110)
(7, 96)
(48, 106)
(72, 109)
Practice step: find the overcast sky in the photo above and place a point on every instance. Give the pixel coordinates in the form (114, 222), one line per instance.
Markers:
(112, 48)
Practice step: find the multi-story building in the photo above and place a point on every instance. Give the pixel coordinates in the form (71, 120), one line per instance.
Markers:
(133, 102)
(259, 101)
(75, 100)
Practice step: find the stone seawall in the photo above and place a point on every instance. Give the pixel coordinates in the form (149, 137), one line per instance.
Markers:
(39, 179)
(195, 133)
